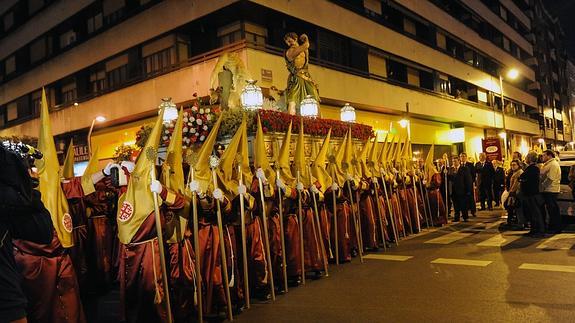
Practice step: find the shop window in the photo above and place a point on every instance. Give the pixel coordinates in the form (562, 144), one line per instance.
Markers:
(94, 23)
(10, 65)
(67, 38)
(11, 111)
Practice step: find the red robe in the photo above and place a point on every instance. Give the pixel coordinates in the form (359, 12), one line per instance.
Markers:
(140, 271)
(343, 225)
(436, 204)
(369, 216)
(49, 281)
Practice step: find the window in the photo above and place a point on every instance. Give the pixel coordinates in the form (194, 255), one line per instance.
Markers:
(8, 20)
(506, 44)
(36, 98)
(441, 40)
(10, 65)
(443, 84)
(98, 81)
(94, 23)
(377, 65)
(67, 38)
(230, 34)
(68, 93)
(159, 61)
(255, 34)
(482, 96)
(116, 77)
(11, 111)
(2, 116)
(39, 49)
(455, 48)
(396, 71)
(34, 5)
(409, 26)
(333, 48)
(113, 10)
(503, 13)
(412, 76)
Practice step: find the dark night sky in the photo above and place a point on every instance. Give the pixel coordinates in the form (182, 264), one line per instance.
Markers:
(565, 11)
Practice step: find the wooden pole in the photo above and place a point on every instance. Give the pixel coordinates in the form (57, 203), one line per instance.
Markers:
(379, 208)
(244, 247)
(335, 218)
(389, 207)
(354, 214)
(300, 216)
(282, 234)
(223, 258)
(267, 239)
(197, 251)
(151, 155)
(319, 231)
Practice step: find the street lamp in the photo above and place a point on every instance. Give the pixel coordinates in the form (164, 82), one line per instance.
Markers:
(99, 119)
(252, 97)
(347, 113)
(512, 74)
(308, 107)
(170, 110)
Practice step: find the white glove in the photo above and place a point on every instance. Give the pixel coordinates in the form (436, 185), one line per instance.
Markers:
(218, 194)
(108, 168)
(261, 176)
(395, 171)
(156, 186)
(242, 189)
(314, 189)
(129, 165)
(348, 177)
(299, 186)
(334, 186)
(194, 186)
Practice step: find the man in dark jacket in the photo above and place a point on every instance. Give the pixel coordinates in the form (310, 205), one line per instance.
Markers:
(22, 216)
(462, 187)
(471, 199)
(485, 172)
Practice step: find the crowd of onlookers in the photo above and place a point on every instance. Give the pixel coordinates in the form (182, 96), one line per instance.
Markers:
(527, 188)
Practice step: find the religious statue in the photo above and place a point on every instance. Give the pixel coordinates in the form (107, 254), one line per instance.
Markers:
(228, 80)
(300, 84)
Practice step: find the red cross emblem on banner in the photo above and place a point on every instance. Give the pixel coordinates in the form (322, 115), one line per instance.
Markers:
(126, 211)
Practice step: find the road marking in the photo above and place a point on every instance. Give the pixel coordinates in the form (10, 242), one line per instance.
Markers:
(387, 257)
(559, 268)
(449, 238)
(498, 241)
(492, 225)
(463, 262)
(563, 241)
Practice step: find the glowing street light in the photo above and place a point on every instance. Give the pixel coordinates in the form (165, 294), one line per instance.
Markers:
(403, 123)
(98, 119)
(503, 135)
(170, 110)
(512, 74)
(309, 107)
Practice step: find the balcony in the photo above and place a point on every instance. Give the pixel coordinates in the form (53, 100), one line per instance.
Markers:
(531, 61)
(534, 86)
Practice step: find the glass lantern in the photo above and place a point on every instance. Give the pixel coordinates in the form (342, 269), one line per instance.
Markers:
(170, 110)
(347, 113)
(308, 107)
(252, 97)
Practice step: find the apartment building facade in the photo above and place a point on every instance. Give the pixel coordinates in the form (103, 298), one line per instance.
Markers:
(437, 62)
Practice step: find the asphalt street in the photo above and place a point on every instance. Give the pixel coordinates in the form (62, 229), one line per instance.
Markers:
(466, 272)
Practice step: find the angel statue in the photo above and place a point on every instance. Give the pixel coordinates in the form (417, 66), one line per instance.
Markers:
(300, 84)
(227, 81)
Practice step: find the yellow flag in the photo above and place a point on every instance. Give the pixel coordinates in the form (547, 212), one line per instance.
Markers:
(226, 169)
(348, 156)
(318, 168)
(245, 158)
(338, 161)
(203, 173)
(363, 159)
(430, 169)
(87, 184)
(387, 143)
(172, 168)
(283, 159)
(137, 203)
(68, 168)
(48, 170)
(260, 156)
(372, 160)
(299, 158)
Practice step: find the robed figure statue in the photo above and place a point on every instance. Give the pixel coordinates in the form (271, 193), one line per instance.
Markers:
(300, 84)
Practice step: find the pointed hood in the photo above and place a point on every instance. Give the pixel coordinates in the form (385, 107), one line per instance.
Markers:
(172, 169)
(318, 167)
(68, 168)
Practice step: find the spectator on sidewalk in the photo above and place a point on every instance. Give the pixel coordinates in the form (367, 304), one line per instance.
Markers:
(498, 182)
(531, 200)
(471, 200)
(512, 204)
(485, 172)
(550, 178)
(462, 187)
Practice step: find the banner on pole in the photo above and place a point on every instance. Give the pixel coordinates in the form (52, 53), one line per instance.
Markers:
(492, 148)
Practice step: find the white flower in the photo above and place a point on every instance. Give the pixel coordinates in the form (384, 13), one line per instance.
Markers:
(199, 121)
(208, 110)
(190, 124)
(202, 138)
(185, 119)
(197, 134)
(191, 119)
(165, 137)
(209, 117)
(166, 132)
(193, 130)
(201, 111)
(205, 127)
(194, 108)
(185, 129)
(184, 147)
(185, 114)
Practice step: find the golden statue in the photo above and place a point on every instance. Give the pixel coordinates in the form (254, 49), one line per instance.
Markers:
(300, 84)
